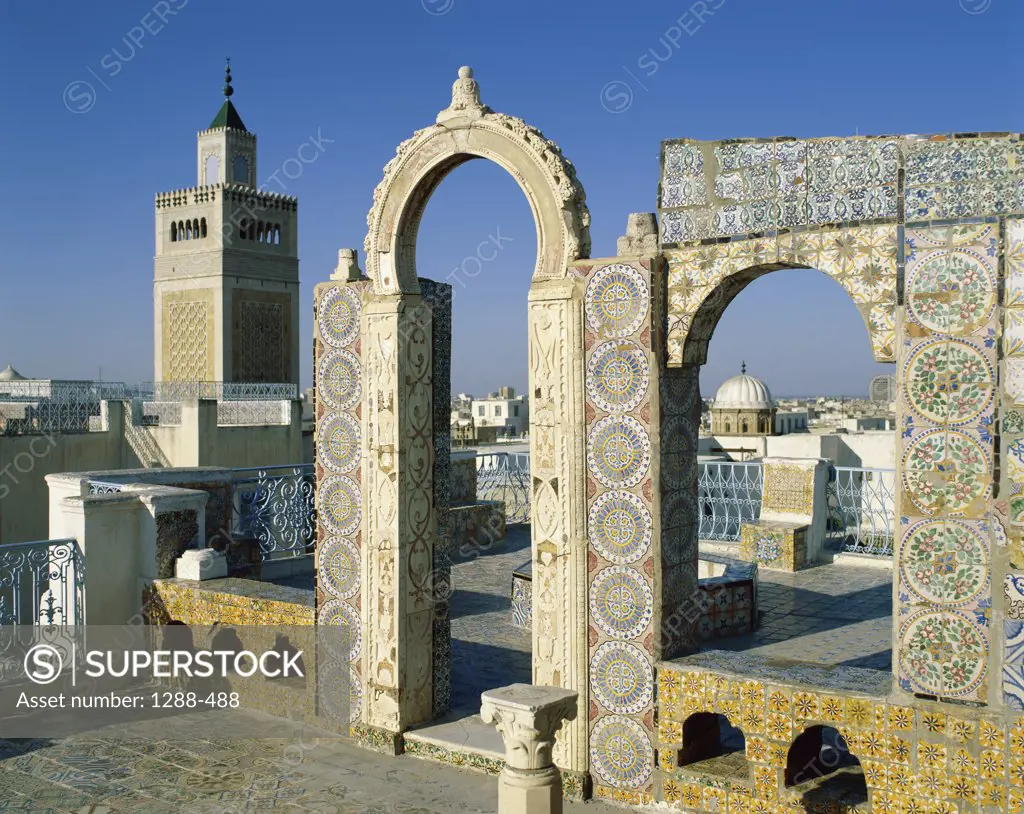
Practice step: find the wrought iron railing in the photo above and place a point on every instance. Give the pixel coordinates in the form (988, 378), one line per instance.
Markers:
(861, 509)
(729, 494)
(274, 505)
(102, 487)
(505, 476)
(41, 583)
(42, 406)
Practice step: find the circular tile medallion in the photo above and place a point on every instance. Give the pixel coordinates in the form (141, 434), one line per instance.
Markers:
(621, 752)
(337, 612)
(945, 471)
(337, 442)
(943, 653)
(338, 319)
(619, 451)
(339, 379)
(948, 381)
(621, 602)
(338, 566)
(339, 504)
(622, 678)
(944, 561)
(616, 301)
(620, 527)
(951, 292)
(617, 376)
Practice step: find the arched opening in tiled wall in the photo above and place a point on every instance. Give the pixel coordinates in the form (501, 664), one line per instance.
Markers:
(821, 767)
(772, 335)
(707, 736)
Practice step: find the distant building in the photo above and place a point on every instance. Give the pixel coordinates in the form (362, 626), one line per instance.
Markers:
(501, 414)
(883, 388)
(743, 406)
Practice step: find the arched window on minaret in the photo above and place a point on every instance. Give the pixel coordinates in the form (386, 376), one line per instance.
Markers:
(260, 233)
(243, 229)
(188, 230)
(211, 173)
(252, 230)
(195, 229)
(240, 170)
(181, 230)
(174, 232)
(202, 227)
(277, 234)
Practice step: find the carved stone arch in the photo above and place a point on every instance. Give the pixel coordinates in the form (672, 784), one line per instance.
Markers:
(464, 131)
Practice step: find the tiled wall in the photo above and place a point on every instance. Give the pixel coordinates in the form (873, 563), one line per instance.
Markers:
(1009, 521)
(702, 280)
(925, 758)
(620, 525)
(338, 391)
(727, 188)
(946, 413)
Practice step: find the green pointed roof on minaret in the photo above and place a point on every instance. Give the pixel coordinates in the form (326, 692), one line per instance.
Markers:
(227, 116)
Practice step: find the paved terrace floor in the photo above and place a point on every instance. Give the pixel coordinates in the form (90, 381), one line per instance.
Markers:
(176, 766)
(834, 614)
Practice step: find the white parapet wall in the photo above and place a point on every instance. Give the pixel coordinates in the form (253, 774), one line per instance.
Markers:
(209, 433)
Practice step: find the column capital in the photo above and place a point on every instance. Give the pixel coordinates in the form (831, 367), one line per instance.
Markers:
(528, 716)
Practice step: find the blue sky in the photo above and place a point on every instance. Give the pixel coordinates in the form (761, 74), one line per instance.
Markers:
(77, 224)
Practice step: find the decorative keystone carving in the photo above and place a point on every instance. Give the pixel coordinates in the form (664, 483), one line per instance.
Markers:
(528, 717)
(641, 235)
(465, 98)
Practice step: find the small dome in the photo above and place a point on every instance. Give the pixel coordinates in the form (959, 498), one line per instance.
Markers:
(9, 374)
(743, 392)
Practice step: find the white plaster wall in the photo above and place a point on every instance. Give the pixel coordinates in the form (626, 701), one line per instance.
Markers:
(24, 512)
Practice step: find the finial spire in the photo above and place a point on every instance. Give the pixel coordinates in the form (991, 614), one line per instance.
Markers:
(465, 98)
(228, 90)
(743, 368)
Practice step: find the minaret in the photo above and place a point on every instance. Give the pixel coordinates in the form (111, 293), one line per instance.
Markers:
(226, 284)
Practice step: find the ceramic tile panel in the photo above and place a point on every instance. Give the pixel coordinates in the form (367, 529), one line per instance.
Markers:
(702, 280)
(735, 188)
(947, 408)
(922, 758)
(620, 382)
(338, 375)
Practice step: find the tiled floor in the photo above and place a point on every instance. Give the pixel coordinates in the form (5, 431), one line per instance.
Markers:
(834, 614)
(487, 651)
(831, 614)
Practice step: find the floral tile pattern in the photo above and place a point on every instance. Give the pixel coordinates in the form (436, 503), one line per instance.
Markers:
(922, 758)
(704, 279)
(948, 393)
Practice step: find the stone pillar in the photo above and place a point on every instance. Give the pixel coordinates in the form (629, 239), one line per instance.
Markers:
(558, 507)
(527, 717)
(401, 522)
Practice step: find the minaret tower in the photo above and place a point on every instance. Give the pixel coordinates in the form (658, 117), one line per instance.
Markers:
(226, 283)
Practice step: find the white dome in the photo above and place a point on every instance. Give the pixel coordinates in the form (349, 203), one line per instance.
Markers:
(743, 392)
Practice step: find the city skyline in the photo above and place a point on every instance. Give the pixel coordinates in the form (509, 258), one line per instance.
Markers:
(138, 129)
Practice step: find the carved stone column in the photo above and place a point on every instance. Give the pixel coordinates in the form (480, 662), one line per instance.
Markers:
(527, 717)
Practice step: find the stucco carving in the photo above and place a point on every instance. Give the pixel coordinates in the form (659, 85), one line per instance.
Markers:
(467, 129)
